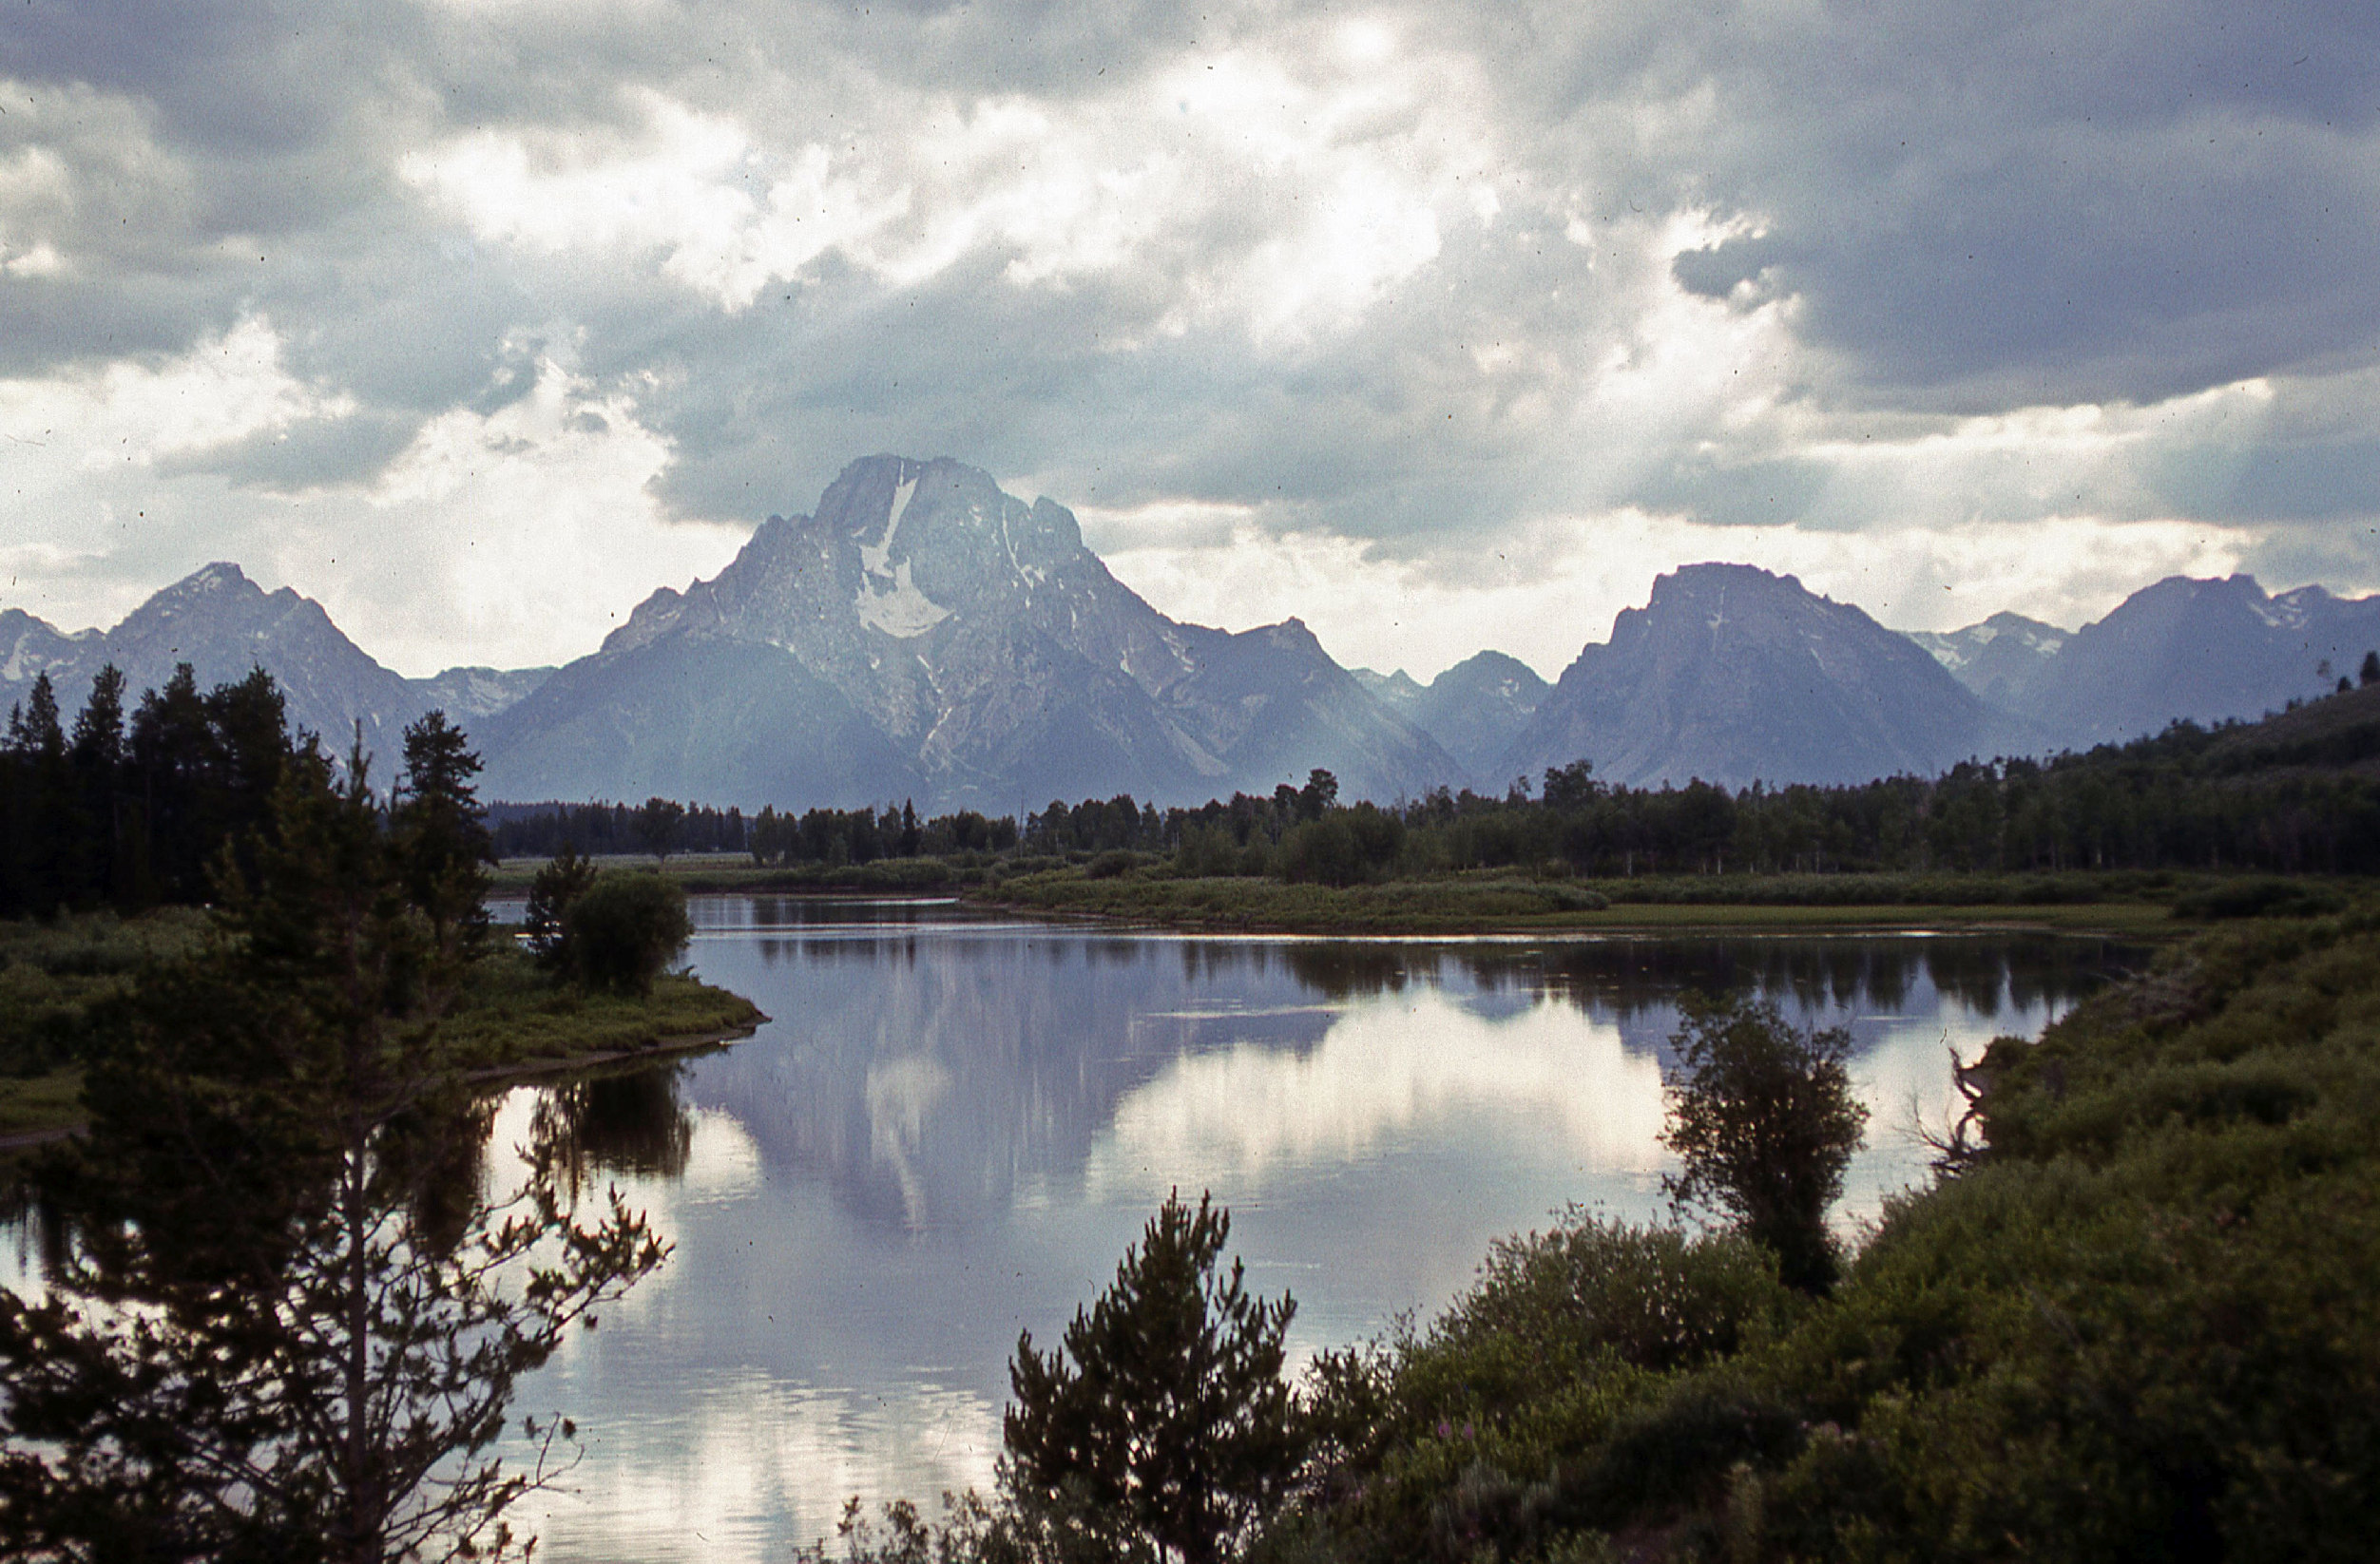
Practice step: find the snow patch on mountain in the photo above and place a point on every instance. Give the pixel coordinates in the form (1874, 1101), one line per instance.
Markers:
(889, 601)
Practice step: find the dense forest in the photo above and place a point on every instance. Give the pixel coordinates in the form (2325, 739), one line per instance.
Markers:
(125, 808)
(2295, 793)
(129, 809)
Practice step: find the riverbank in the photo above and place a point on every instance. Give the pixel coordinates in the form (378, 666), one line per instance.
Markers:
(2136, 907)
(1148, 889)
(2146, 1277)
(511, 1023)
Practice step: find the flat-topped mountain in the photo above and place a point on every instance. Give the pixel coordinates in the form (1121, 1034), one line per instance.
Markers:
(1731, 674)
(925, 635)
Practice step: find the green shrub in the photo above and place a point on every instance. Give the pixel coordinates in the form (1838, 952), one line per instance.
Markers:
(622, 931)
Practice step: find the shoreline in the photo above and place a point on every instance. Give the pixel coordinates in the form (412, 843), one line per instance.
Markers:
(2118, 920)
(519, 1072)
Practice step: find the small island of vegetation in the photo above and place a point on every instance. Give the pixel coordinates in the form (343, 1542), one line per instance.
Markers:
(130, 843)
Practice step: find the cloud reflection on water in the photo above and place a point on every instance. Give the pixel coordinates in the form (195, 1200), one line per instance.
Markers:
(1391, 1074)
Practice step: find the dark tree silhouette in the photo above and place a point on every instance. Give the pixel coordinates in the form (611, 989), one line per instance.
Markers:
(1763, 1115)
(441, 845)
(1163, 1420)
(657, 823)
(558, 883)
(291, 1320)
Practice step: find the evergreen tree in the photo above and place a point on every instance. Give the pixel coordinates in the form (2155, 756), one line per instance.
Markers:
(95, 756)
(43, 808)
(292, 1319)
(441, 832)
(172, 745)
(1164, 1419)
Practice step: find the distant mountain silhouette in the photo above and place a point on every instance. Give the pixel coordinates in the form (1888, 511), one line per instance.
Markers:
(926, 636)
(1732, 675)
(223, 624)
(1474, 708)
(2003, 660)
(2204, 650)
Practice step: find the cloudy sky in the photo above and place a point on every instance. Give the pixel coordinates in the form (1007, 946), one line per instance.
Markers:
(1440, 326)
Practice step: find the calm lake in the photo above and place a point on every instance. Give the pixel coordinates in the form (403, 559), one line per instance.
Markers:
(954, 1125)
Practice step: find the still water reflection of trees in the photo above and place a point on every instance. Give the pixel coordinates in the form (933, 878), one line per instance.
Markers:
(1628, 978)
(261, 1333)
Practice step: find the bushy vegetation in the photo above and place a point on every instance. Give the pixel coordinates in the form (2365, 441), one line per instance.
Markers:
(622, 931)
(284, 1313)
(211, 770)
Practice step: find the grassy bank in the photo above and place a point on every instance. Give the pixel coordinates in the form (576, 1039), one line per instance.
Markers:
(512, 1021)
(1486, 903)
(708, 873)
(2137, 1324)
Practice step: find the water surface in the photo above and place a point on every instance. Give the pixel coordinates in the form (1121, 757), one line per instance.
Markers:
(953, 1126)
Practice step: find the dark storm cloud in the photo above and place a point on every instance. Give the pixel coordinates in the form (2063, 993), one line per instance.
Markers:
(2011, 203)
(309, 454)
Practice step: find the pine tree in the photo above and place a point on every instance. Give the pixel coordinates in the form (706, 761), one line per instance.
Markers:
(292, 1319)
(96, 756)
(441, 833)
(1163, 1420)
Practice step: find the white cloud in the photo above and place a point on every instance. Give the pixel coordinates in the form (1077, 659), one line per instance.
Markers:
(521, 536)
(514, 535)
(723, 216)
(1280, 192)
(1391, 1074)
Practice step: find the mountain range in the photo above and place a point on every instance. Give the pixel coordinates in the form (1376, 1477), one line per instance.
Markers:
(922, 634)
(223, 624)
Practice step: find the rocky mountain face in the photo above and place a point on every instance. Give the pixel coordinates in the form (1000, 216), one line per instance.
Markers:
(924, 635)
(2204, 650)
(1474, 709)
(31, 647)
(223, 624)
(2184, 648)
(2004, 660)
(1731, 674)
(468, 694)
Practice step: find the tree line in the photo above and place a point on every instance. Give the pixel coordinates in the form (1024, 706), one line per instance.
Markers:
(129, 809)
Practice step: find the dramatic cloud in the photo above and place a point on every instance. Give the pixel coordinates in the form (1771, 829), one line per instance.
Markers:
(1442, 328)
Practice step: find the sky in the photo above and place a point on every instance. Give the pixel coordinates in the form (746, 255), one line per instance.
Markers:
(1439, 326)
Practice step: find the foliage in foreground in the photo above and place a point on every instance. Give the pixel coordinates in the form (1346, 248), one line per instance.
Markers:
(1162, 1417)
(2138, 1324)
(287, 1314)
(1764, 1122)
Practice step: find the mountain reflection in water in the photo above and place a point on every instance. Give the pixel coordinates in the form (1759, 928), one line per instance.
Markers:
(954, 1126)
